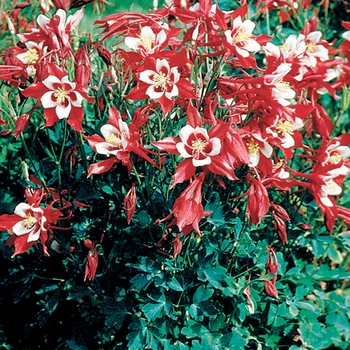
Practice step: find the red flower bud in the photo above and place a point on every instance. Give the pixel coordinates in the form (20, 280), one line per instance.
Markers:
(103, 53)
(177, 245)
(92, 260)
(82, 67)
(130, 203)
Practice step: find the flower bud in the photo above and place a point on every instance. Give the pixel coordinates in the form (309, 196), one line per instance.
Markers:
(130, 203)
(82, 67)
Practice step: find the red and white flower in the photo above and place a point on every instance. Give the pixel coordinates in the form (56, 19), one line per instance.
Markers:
(146, 41)
(116, 139)
(241, 36)
(61, 98)
(32, 223)
(162, 81)
(196, 144)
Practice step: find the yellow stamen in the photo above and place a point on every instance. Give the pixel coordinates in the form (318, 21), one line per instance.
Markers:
(335, 158)
(160, 80)
(114, 140)
(60, 95)
(311, 47)
(199, 144)
(242, 37)
(284, 48)
(285, 127)
(29, 221)
(282, 86)
(332, 187)
(31, 56)
(147, 41)
(253, 147)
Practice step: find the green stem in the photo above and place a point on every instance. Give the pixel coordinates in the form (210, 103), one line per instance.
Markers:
(37, 173)
(60, 160)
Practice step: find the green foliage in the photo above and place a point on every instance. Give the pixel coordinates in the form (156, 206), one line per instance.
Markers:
(143, 297)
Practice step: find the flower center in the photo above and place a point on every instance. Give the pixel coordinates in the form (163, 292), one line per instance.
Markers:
(311, 47)
(332, 188)
(335, 158)
(147, 41)
(29, 221)
(60, 95)
(253, 147)
(285, 127)
(284, 48)
(114, 140)
(199, 144)
(282, 86)
(241, 37)
(31, 56)
(160, 80)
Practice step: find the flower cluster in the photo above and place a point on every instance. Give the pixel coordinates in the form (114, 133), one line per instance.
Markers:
(203, 98)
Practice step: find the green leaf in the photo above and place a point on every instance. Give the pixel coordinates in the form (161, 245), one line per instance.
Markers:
(214, 275)
(202, 294)
(219, 322)
(175, 285)
(153, 310)
(234, 341)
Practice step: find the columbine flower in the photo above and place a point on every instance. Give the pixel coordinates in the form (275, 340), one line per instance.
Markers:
(256, 146)
(147, 40)
(282, 91)
(197, 144)
(32, 223)
(61, 99)
(116, 139)
(162, 81)
(241, 36)
(313, 49)
(54, 32)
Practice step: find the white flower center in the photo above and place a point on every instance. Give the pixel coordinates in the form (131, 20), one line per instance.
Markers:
(253, 147)
(241, 37)
(335, 158)
(199, 144)
(31, 56)
(160, 80)
(29, 221)
(311, 47)
(147, 41)
(114, 140)
(282, 86)
(285, 127)
(60, 95)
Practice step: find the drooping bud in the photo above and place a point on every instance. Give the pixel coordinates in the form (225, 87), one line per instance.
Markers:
(271, 268)
(177, 245)
(92, 260)
(130, 203)
(82, 67)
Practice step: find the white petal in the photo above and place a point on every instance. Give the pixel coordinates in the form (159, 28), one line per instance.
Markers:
(19, 230)
(182, 150)
(266, 150)
(50, 80)
(252, 45)
(346, 35)
(201, 162)
(314, 37)
(34, 236)
(79, 99)
(174, 92)
(65, 80)
(132, 42)
(21, 209)
(47, 100)
(145, 76)
(185, 133)
(162, 63)
(241, 52)
(216, 143)
(154, 94)
(42, 21)
(108, 129)
(174, 73)
(248, 26)
(63, 111)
